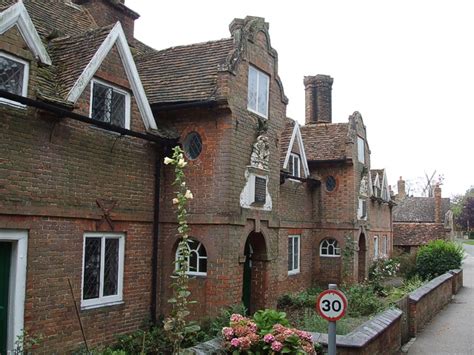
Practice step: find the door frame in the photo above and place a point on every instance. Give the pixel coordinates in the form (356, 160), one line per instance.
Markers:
(17, 287)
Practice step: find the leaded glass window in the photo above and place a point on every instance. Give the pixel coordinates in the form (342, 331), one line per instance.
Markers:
(258, 89)
(110, 105)
(197, 261)
(294, 165)
(192, 145)
(329, 247)
(13, 76)
(293, 254)
(103, 269)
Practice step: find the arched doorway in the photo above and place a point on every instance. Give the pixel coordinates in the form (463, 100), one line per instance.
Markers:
(254, 276)
(361, 256)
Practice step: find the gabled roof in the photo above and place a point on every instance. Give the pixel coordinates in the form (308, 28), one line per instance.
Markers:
(184, 73)
(290, 136)
(377, 172)
(326, 141)
(18, 15)
(418, 209)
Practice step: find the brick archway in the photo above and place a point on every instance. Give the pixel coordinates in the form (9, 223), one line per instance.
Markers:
(362, 256)
(255, 278)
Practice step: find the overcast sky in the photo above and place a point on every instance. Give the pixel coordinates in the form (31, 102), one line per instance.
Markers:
(407, 66)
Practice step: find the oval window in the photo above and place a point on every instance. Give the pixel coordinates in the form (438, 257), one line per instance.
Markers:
(330, 183)
(192, 145)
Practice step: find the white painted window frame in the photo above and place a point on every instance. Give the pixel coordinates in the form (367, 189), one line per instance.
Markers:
(103, 301)
(361, 149)
(384, 245)
(376, 247)
(360, 209)
(199, 257)
(293, 237)
(26, 72)
(17, 287)
(255, 110)
(116, 89)
(295, 158)
(335, 245)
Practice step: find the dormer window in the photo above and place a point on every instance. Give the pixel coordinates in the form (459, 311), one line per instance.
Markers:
(294, 165)
(258, 88)
(110, 104)
(13, 76)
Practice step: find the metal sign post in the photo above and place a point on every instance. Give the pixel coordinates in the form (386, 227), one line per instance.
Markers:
(331, 305)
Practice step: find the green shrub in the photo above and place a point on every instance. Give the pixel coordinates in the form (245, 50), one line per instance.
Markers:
(362, 300)
(438, 257)
(266, 319)
(303, 299)
(407, 265)
(471, 235)
(313, 322)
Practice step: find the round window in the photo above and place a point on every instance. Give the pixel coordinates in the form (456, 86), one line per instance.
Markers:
(192, 145)
(330, 183)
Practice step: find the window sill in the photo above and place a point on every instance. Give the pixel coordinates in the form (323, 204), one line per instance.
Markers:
(11, 103)
(330, 256)
(294, 272)
(99, 305)
(257, 113)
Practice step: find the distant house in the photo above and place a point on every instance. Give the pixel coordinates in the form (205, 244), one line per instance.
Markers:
(419, 220)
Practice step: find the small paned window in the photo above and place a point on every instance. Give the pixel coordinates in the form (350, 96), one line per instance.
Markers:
(330, 183)
(362, 210)
(192, 145)
(258, 88)
(329, 247)
(384, 245)
(376, 247)
(294, 165)
(293, 254)
(197, 261)
(13, 76)
(361, 149)
(102, 277)
(110, 105)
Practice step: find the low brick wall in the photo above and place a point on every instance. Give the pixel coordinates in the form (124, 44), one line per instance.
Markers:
(380, 335)
(425, 302)
(457, 280)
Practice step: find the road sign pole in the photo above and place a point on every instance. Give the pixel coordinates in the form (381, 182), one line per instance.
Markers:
(332, 330)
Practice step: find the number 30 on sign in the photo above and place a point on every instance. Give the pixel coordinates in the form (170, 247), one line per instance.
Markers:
(331, 305)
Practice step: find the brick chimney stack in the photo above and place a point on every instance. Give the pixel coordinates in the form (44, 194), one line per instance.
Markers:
(437, 198)
(108, 12)
(318, 105)
(401, 189)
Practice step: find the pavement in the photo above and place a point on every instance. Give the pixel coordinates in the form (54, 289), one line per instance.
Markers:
(452, 330)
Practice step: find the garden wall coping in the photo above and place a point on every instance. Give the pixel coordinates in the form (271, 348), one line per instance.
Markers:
(421, 292)
(365, 333)
(455, 271)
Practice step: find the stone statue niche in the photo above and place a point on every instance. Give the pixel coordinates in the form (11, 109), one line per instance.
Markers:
(260, 153)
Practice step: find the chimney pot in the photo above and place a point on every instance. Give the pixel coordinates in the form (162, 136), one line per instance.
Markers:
(318, 99)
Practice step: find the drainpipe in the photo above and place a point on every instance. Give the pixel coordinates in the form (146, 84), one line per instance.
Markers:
(156, 235)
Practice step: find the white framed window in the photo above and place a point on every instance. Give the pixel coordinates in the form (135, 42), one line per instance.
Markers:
(258, 91)
(293, 254)
(376, 247)
(110, 104)
(361, 149)
(362, 209)
(197, 261)
(14, 73)
(294, 165)
(384, 245)
(102, 269)
(329, 247)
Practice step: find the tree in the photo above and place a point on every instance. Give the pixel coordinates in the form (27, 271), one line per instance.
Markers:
(466, 218)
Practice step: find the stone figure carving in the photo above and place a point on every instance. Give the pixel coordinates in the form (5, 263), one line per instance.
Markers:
(260, 153)
(364, 191)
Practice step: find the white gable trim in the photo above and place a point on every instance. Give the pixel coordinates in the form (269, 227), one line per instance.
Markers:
(299, 139)
(116, 36)
(17, 15)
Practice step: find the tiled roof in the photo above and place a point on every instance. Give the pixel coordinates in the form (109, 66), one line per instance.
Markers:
(285, 139)
(325, 141)
(419, 209)
(185, 73)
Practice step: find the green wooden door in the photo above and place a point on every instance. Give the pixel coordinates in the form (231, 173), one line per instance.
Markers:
(5, 256)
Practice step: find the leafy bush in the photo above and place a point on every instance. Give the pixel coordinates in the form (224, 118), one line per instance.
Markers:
(380, 270)
(303, 299)
(438, 257)
(471, 235)
(266, 319)
(408, 286)
(362, 300)
(407, 265)
(313, 322)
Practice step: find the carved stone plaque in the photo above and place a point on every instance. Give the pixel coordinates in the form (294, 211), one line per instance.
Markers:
(260, 189)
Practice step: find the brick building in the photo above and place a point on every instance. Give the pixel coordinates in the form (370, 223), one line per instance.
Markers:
(88, 112)
(419, 220)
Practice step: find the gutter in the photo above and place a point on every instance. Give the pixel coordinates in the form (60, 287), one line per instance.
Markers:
(190, 104)
(333, 161)
(163, 143)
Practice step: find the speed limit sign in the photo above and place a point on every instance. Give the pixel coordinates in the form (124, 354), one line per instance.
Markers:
(331, 305)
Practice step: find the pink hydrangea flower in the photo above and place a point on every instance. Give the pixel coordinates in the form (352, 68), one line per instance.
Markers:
(235, 342)
(277, 346)
(245, 343)
(268, 338)
(228, 332)
(236, 318)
